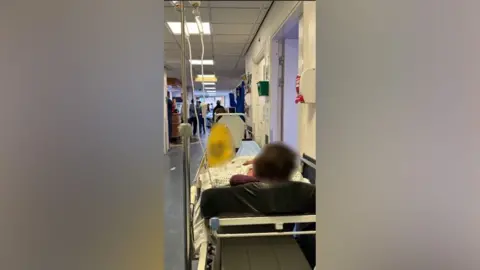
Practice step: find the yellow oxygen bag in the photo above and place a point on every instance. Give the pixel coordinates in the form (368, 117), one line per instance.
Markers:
(220, 148)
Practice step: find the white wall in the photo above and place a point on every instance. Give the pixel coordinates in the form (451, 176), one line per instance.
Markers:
(307, 112)
(261, 108)
(290, 113)
(226, 100)
(399, 143)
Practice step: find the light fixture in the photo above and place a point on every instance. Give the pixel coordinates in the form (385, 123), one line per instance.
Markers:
(210, 88)
(199, 62)
(206, 78)
(190, 27)
(208, 83)
(212, 92)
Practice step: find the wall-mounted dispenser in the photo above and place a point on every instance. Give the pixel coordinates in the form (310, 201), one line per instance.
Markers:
(308, 85)
(263, 88)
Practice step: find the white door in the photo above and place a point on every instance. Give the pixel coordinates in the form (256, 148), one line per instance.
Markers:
(289, 108)
(280, 83)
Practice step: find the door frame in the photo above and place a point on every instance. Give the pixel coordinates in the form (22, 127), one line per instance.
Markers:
(277, 49)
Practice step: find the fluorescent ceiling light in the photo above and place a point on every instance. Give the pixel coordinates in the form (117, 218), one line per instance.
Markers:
(212, 92)
(210, 88)
(199, 62)
(206, 78)
(208, 83)
(190, 27)
(206, 75)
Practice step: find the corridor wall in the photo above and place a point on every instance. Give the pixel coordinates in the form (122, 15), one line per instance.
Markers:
(278, 14)
(307, 52)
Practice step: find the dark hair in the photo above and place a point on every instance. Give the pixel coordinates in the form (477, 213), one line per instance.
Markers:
(192, 100)
(276, 162)
(218, 102)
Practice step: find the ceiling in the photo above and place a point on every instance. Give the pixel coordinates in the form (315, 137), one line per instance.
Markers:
(233, 26)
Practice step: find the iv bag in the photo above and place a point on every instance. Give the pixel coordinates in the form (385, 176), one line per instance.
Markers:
(220, 147)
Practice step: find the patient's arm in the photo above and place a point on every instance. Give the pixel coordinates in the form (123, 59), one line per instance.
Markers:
(241, 179)
(248, 162)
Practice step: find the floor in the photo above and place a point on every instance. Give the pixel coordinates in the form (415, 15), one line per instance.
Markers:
(174, 212)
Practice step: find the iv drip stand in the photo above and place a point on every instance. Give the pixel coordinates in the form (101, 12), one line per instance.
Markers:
(186, 133)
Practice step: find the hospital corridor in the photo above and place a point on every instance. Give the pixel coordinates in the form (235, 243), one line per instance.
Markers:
(215, 135)
(249, 68)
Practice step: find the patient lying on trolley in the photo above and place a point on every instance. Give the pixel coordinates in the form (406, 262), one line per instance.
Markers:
(275, 163)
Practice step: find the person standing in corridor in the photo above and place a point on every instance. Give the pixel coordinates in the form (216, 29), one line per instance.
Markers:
(169, 116)
(192, 120)
(218, 109)
(201, 118)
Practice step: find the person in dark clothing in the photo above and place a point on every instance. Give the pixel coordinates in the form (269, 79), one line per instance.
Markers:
(217, 108)
(192, 119)
(220, 111)
(275, 163)
(169, 116)
(200, 118)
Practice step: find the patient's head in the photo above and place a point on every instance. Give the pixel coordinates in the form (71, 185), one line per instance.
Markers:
(276, 162)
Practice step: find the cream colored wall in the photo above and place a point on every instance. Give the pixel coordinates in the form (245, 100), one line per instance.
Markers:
(260, 119)
(279, 13)
(307, 114)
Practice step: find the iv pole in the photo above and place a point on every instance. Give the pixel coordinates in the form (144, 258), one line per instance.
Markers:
(186, 133)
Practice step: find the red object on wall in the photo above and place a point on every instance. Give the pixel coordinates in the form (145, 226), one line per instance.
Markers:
(299, 98)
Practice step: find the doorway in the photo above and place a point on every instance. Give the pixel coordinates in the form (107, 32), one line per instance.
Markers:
(285, 117)
(289, 108)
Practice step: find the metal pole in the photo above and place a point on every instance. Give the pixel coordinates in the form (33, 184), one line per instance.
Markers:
(186, 149)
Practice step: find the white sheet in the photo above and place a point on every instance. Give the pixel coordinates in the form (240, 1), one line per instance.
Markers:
(221, 177)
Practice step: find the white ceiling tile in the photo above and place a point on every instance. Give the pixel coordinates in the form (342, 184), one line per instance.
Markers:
(171, 15)
(231, 39)
(170, 46)
(235, 15)
(228, 73)
(227, 58)
(227, 62)
(240, 4)
(197, 53)
(172, 57)
(240, 63)
(207, 40)
(206, 70)
(233, 24)
(228, 49)
(173, 64)
(229, 28)
(204, 14)
(167, 35)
